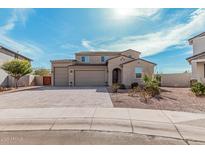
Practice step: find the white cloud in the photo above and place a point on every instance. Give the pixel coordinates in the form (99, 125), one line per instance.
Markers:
(27, 48)
(18, 16)
(87, 44)
(153, 43)
(140, 12)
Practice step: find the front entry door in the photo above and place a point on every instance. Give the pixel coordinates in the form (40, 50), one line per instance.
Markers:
(115, 76)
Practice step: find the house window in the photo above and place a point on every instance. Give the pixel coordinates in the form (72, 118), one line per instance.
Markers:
(130, 56)
(85, 59)
(104, 58)
(138, 72)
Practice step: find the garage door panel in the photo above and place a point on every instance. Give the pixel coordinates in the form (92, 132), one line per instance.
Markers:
(89, 78)
(61, 76)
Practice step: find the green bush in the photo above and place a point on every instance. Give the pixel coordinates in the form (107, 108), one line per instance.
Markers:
(198, 89)
(134, 85)
(192, 82)
(122, 86)
(158, 78)
(17, 69)
(151, 86)
(42, 72)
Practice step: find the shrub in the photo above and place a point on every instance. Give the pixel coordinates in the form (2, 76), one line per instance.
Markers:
(134, 84)
(17, 69)
(198, 89)
(115, 87)
(192, 82)
(122, 86)
(42, 72)
(158, 78)
(151, 86)
(134, 92)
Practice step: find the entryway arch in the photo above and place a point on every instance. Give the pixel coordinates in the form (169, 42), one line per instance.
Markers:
(116, 75)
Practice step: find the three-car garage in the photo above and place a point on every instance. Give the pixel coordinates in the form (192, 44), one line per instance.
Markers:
(79, 76)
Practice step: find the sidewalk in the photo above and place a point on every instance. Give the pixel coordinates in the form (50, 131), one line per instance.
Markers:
(189, 127)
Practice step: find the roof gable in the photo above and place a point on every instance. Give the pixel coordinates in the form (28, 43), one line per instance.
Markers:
(139, 59)
(119, 56)
(199, 35)
(130, 50)
(11, 53)
(195, 56)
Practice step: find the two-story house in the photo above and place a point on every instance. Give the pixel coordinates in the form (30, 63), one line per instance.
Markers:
(197, 61)
(7, 55)
(101, 69)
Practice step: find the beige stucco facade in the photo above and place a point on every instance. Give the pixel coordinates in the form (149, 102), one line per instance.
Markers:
(147, 69)
(197, 60)
(95, 72)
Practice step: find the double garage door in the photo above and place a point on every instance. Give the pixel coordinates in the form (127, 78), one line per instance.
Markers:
(81, 77)
(89, 78)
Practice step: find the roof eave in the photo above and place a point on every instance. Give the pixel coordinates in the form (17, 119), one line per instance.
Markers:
(15, 53)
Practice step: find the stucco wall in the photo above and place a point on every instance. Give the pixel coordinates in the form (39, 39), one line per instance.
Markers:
(198, 45)
(200, 72)
(133, 54)
(3, 75)
(176, 80)
(38, 80)
(28, 80)
(95, 59)
(115, 63)
(129, 75)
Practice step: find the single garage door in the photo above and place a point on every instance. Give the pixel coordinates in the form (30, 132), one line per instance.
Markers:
(89, 78)
(61, 76)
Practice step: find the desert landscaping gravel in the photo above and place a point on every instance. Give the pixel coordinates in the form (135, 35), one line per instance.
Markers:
(174, 99)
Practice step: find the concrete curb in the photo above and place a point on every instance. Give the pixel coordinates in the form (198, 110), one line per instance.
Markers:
(20, 89)
(169, 124)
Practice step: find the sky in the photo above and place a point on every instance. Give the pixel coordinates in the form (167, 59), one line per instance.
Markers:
(47, 34)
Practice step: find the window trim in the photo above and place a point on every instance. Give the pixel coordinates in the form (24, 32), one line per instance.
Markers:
(82, 57)
(137, 77)
(105, 58)
(85, 57)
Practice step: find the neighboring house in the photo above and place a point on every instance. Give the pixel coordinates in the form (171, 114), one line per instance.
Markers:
(101, 69)
(7, 55)
(197, 61)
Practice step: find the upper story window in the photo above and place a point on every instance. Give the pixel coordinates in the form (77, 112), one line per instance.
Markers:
(130, 56)
(104, 58)
(85, 59)
(138, 72)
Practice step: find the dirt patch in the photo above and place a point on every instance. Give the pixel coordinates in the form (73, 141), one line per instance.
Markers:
(174, 99)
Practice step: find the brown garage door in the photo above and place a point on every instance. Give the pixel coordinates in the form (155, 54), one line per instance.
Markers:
(89, 78)
(61, 76)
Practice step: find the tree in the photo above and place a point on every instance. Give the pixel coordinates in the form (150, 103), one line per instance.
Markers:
(17, 69)
(42, 72)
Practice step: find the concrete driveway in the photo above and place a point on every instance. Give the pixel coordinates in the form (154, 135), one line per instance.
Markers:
(46, 97)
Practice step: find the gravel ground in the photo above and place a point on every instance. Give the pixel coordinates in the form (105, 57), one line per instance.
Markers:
(174, 99)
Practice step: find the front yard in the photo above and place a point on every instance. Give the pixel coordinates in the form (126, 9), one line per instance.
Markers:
(175, 99)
